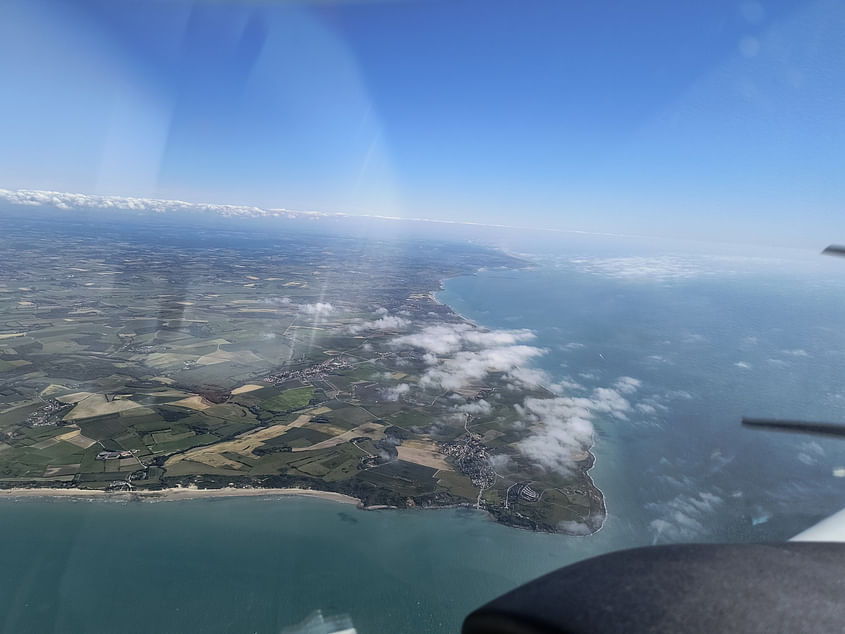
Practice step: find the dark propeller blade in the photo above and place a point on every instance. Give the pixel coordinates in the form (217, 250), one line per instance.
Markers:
(834, 249)
(798, 426)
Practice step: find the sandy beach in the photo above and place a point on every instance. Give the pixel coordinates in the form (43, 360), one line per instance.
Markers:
(182, 493)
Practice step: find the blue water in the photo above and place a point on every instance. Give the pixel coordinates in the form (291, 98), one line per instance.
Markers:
(687, 471)
(679, 467)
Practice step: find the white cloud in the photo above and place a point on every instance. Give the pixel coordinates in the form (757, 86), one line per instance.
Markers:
(683, 518)
(563, 426)
(478, 407)
(388, 322)
(395, 392)
(500, 462)
(743, 364)
(276, 301)
(660, 268)
(444, 339)
(85, 202)
(320, 308)
(458, 355)
(570, 527)
(461, 355)
(667, 268)
(533, 376)
(564, 385)
(469, 367)
(646, 408)
(627, 385)
(810, 452)
(80, 202)
(679, 394)
(798, 352)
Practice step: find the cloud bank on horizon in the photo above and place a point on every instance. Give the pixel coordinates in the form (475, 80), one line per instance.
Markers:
(68, 201)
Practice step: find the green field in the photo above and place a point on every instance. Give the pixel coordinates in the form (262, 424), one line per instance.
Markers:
(289, 400)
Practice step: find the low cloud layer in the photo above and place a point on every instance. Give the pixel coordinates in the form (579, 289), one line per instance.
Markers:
(388, 322)
(395, 392)
(459, 355)
(471, 367)
(81, 202)
(445, 339)
(684, 518)
(320, 308)
(562, 427)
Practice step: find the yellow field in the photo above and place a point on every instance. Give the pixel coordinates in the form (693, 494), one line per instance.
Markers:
(217, 342)
(220, 356)
(74, 398)
(97, 405)
(373, 430)
(423, 452)
(52, 389)
(193, 402)
(49, 442)
(326, 428)
(79, 440)
(164, 359)
(243, 445)
(60, 470)
(249, 387)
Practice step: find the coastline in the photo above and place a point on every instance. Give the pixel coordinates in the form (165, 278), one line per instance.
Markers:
(174, 494)
(184, 491)
(593, 458)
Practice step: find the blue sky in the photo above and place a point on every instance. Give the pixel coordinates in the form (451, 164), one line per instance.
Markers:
(693, 119)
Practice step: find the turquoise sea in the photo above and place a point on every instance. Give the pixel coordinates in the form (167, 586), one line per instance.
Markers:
(708, 339)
